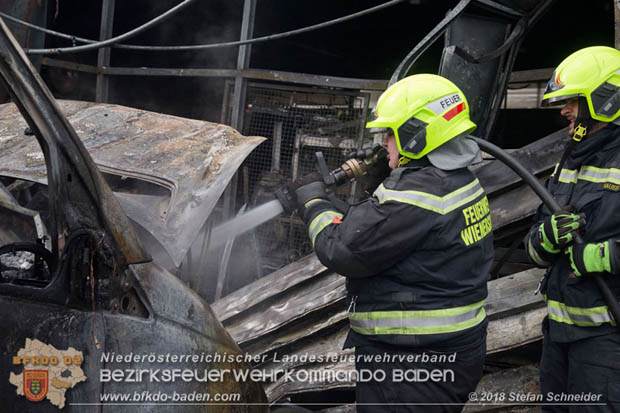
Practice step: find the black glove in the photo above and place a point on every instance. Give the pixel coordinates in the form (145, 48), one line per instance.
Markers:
(364, 152)
(559, 229)
(287, 194)
(307, 188)
(304, 180)
(377, 171)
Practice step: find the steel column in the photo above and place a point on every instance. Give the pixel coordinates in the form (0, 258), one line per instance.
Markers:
(243, 62)
(103, 56)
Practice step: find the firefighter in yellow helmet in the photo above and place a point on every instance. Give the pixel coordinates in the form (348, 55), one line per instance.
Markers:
(581, 346)
(416, 255)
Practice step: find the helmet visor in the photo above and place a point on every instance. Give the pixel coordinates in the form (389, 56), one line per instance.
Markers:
(558, 100)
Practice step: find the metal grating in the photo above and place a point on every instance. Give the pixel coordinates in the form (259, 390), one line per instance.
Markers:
(297, 122)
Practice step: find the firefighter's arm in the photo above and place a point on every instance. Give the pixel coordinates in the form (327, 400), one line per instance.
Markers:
(368, 239)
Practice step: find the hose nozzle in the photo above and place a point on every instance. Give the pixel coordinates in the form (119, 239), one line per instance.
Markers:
(354, 167)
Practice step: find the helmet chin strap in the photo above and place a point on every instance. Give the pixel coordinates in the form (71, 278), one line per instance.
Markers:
(403, 160)
(584, 121)
(583, 124)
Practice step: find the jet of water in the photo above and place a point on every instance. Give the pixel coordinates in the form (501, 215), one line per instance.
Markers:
(245, 222)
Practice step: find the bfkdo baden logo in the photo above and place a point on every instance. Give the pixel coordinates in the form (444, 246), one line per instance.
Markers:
(35, 384)
(47, 372)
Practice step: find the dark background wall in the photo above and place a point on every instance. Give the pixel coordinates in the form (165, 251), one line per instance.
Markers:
(368, 47)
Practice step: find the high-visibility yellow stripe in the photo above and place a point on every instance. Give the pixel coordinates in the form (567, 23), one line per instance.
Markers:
(314, 201)
(599, 175)
(584, 317)
(441, 205)
(568, 176)
(418, 322)
(590, 174)
(320, 222)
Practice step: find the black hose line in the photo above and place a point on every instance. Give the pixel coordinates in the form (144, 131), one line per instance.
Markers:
(552, 204)
(94, 44)
(117, 39)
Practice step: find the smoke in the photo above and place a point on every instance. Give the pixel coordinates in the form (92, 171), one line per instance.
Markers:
(193, 97)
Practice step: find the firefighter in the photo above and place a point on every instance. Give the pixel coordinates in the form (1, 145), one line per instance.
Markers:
(416, 255)
(581, 345)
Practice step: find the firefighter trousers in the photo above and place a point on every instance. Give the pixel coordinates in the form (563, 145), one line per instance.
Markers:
(581, 376)
(396, 379)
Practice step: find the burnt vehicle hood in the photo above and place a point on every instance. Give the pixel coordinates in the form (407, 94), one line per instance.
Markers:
(193, 159)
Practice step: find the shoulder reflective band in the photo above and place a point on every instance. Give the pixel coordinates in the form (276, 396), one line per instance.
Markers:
(591, 174)
(584, 317)
(418, 322)
(442, 205)
(321, 221)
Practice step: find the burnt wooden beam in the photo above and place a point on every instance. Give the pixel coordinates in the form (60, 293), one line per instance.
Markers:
(516, 330)
(513, 294)
(513, 206)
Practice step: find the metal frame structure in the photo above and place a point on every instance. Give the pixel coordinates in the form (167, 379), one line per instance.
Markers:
(288, 147)
(242, 73)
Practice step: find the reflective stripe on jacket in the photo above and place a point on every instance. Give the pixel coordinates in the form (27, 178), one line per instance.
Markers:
(448, 320)
(583, 317)
(590, 183)
(417, 255)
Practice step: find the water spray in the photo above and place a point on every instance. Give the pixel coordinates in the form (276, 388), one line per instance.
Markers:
(352, 169)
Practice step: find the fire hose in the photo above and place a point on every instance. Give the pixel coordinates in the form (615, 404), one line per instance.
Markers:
(356, 167)
(551, 203)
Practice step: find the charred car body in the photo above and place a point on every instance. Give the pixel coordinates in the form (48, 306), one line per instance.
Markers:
(74, 271)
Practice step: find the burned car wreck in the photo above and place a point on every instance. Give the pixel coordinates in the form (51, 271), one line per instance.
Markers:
(75, 274)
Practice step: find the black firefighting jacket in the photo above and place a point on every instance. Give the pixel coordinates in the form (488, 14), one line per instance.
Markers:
(417, 255)
(589, 182)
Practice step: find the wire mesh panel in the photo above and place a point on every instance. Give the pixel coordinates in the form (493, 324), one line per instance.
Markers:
(297, 123)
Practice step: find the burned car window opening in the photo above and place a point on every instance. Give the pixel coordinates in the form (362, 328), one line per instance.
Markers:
(152, 196)
(25, 243)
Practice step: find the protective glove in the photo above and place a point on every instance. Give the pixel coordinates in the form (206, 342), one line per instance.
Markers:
(307, 188)
(364, 153)
(287, 193)
(377, 171)
(593, 257)
(558, 230)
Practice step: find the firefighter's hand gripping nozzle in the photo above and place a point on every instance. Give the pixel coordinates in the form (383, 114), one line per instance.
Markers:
(353, 168)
